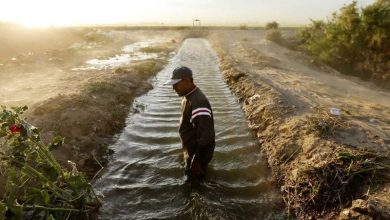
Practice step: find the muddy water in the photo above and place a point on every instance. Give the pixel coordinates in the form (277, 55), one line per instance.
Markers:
(145, 180)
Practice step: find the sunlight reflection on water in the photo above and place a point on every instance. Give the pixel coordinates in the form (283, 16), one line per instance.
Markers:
(131, 53)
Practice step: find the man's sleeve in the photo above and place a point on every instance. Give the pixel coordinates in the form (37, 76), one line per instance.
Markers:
(203, 122)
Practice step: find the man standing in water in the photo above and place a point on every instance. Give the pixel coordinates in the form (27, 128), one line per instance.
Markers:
(196, 124)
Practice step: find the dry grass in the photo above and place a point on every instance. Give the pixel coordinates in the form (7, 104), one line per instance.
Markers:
(197, 33)
(342, 177)
(324, 124)
(100, 88)
(155, 49)
(274, 36)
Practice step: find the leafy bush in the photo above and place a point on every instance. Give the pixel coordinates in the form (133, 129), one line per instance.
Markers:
(274, 33)
(243, 27)
(36, 185)
(354, 41)
(272, 25)
(275, 36)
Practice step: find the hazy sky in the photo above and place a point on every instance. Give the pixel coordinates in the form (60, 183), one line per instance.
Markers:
(34, 13)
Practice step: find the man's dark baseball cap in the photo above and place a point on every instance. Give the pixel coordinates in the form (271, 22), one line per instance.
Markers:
(178, 74)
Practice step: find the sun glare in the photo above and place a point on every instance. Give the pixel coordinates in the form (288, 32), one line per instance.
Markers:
(46, 13)
(36, 23)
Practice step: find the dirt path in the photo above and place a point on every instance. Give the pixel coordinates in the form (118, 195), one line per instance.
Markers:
(305, 85)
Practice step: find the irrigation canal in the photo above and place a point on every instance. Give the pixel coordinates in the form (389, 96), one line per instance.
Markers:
(145, 180)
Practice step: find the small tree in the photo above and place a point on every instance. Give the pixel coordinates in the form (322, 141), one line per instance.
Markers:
(354, 40)
(243, 27)
(272, 25)
(274, 34)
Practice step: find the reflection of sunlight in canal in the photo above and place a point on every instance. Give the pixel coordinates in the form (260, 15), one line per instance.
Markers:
(131, 53)
(132, 48)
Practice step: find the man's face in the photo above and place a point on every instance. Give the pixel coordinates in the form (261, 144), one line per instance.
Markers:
(180, 87)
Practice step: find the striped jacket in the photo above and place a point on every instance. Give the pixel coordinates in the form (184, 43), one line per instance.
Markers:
(197, 125)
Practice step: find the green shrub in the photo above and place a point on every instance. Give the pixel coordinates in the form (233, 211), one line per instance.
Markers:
(272, 25)
(37, 187)
(353, 40)
(243, 27)
(275, 36)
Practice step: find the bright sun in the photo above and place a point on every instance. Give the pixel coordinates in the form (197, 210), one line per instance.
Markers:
(45, 13)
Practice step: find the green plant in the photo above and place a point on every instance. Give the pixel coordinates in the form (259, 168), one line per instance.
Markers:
(37, 187)
(100, 88)
(275, 36)
(356, 41)
(243, 27)
(274, 33)
(272, 25)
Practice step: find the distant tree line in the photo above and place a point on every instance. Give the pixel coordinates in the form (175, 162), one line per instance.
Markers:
(355, 41)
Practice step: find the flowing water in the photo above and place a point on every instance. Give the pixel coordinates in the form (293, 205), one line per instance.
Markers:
(145, 180)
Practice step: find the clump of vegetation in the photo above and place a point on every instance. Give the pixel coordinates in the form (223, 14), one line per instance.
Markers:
(243, 27)
(100, 88)
(356, 41)
(155, 49)
(149, 66)
(274, 33)
(199, 32)
(324, 124)
(37, 187)
(272, 25)
(182, 28)
(275, 36)
(337, 180)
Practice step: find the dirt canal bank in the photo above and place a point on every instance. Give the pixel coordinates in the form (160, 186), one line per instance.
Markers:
(326, 136)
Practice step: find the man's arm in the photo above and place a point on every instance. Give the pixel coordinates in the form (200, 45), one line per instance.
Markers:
(205, 136)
